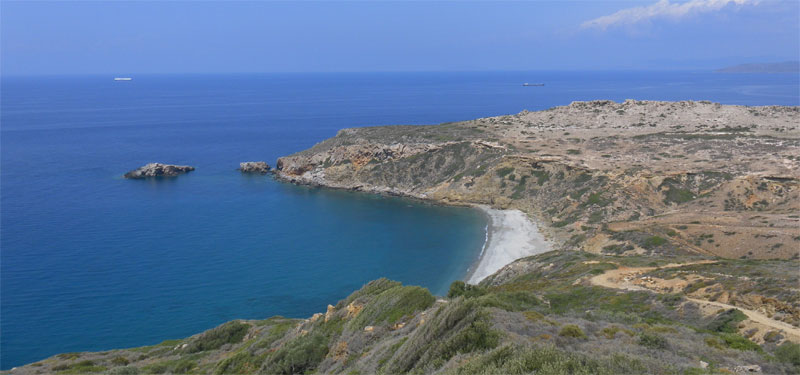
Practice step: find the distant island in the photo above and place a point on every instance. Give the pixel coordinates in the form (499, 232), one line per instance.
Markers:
(781, 67)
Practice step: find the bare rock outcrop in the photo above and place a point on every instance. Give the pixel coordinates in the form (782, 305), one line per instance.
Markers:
(158, 170)
(254, 167)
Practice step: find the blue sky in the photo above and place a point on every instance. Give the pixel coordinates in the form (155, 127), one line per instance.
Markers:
(74, 37)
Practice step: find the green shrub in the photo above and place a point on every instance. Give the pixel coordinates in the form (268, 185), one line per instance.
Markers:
(727, 321)
(371, 289)
(596, 199)
(243, 362)
(677, 195)
(228, 333)
(541, 177)
(611, 331)
(737, 342)
(772, 336)
(510, 301)
(156, 368)
(120, 361)
(502, 172)
(714, 343)
(654, 241)
(670, 300)
(298, 356)
(789, 352)
(81, 367)
(179, 366)
(653, 341)
(459, 288)
(391, 305)
(276, 332)
(571, 330)
(476, 336)
(68, 356)
(513, 360)
(457, 327)
(183, 366)
(126, 370)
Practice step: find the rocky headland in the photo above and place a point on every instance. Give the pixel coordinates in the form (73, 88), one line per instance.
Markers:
(258, 167)
(158, 170)
(603, 177)
(676, 228)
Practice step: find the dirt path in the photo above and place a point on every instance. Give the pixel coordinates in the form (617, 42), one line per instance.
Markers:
(623, 277)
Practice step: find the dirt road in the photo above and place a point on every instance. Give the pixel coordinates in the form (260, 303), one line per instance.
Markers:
(623, 277)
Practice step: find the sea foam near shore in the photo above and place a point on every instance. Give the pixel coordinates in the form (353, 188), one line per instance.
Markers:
(511, 235)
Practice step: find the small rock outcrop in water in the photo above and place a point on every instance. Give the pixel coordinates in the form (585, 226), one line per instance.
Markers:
(254, 167)
(158, 170)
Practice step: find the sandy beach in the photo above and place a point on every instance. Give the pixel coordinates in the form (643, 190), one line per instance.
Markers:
(511, 235)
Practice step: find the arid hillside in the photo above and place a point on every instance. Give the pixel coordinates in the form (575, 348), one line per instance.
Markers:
(625, 178)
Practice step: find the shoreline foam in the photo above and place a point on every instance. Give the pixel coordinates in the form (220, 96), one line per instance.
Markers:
(510, 235)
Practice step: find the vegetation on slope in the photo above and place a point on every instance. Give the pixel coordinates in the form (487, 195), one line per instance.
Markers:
(542, 314)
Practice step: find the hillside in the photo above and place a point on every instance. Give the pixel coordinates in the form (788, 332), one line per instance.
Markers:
(677, 228)
(634, 177)
(544, 313)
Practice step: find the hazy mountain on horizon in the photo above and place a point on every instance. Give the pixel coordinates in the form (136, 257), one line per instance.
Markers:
(781, 67)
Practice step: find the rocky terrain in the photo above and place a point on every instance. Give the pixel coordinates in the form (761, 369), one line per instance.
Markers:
(158, 170)
(258, 167)
(677, 228)
(624, 178)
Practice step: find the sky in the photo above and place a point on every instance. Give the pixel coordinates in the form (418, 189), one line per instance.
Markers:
(119, 37)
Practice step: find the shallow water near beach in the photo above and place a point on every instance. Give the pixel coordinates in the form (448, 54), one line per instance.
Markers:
(91, 261)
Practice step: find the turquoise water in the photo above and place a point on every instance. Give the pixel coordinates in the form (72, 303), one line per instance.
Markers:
(90, 261)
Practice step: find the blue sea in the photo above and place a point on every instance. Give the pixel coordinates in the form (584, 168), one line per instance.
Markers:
(90, 261)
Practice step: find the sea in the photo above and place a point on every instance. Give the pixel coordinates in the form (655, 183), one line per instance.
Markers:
(90, 261)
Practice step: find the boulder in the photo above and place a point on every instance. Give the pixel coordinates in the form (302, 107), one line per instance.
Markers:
(158, 170)
(254, 167)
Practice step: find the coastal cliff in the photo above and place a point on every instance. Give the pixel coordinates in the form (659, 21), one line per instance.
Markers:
(677, 234)
(625, 178)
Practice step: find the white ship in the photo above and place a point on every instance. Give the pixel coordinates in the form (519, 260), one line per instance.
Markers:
(122, 78)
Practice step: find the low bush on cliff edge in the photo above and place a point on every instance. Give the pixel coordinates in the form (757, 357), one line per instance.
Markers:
(546, 360)
(371, 289)
(461, 289)
(391, 305)
(461, 326)
(298, 356)
(228, 333)
(81, 367)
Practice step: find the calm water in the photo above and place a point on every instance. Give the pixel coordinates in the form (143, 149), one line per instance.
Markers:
(91, 261)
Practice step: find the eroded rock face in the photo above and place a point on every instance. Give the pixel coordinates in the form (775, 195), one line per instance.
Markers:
(158, 170)
(254, 167)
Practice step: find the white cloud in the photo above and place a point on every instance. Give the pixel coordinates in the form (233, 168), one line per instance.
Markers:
(662, 9)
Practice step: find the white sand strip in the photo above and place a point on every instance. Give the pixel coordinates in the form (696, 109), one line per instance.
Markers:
(511, 236)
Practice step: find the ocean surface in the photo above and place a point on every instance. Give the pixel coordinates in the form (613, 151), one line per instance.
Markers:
(91, 261)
